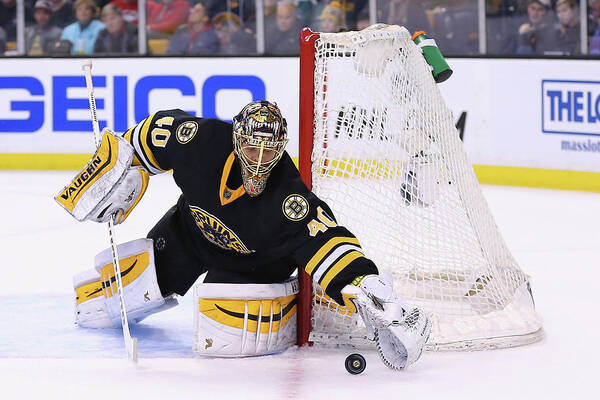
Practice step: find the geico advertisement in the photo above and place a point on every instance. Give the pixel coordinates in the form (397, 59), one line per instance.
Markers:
(44, 103)
(528, 113)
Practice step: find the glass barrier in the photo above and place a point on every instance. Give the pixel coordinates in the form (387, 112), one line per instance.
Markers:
(201, 27)
(534, 27)
(283, 22)
(593, 32)
(271, 27)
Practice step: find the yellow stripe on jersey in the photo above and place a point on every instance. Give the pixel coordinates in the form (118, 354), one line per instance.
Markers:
(127, 136)
(233, 194)
(147, 151)
(338, 267)
(323, 251)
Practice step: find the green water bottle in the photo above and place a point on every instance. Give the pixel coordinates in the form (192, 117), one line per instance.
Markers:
(441, 70)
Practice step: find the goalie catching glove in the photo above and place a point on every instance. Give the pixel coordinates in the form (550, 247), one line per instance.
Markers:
(400, 332)
(108, 185)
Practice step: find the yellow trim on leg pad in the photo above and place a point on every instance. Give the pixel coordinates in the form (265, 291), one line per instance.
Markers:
(272, 313)
(97, 304)
(261, 320)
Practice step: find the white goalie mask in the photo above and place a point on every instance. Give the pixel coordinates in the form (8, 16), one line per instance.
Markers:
(259, 138)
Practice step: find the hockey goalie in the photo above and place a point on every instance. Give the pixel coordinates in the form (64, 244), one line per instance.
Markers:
(246, 219)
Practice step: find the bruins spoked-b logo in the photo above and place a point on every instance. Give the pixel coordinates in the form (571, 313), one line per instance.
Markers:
(295, 207)
(186, 131)
(216, 232)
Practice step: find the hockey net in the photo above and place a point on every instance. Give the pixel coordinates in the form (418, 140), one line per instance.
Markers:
(379, 145)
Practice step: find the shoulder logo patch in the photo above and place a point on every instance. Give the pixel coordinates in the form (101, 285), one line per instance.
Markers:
(186, 131)
(295, 207)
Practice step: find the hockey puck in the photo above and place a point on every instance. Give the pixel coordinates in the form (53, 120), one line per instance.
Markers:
(355, 364)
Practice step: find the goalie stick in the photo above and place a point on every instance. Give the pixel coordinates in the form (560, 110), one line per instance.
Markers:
(130, 342)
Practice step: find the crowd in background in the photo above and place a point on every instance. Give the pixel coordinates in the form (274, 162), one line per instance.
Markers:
(547, 27)
(213, 27)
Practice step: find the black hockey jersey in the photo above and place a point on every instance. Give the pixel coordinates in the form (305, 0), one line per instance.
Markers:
(285, 226)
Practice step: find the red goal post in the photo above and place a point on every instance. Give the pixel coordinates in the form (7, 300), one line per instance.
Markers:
(306, 121)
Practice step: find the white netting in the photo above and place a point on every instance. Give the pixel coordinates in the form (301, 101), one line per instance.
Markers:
(388, 161)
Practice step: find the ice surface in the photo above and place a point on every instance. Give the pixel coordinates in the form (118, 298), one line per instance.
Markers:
(555, 236)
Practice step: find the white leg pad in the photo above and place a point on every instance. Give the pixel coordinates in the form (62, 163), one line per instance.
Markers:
(97, 302)
(226, 318)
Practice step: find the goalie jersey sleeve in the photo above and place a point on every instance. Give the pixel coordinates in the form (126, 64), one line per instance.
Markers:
(330, 253)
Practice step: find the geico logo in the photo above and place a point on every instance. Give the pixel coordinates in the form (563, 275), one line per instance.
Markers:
(571, 107)
(123, 99)
(82, 178)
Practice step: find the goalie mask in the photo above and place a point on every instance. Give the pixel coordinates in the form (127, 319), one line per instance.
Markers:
(259, 138)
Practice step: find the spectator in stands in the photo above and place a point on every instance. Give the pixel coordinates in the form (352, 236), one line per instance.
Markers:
(535, 34)
(594, 48)
(83, 33)
(270, 15)
(8, 20)
(350, 10)
(165, 16)
(363, 20)
(118, 36)
(407, 13)
(270, 7)
(40, 37)
(503, 7)
(244, 9)
(62, 13)
(309, 11)
(500, 24)
(60, 48)
(129, 10)
(2, 41)
(233, 39)
(282, 37)
(197, 37)
(329, 20)
(566, 36)
(455, 27)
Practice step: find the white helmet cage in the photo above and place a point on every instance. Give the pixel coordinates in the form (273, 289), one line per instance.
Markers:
(259, 125)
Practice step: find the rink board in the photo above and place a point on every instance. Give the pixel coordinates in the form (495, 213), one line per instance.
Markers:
(540, 118)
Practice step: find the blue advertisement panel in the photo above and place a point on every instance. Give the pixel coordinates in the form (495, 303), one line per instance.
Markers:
(46, 110)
